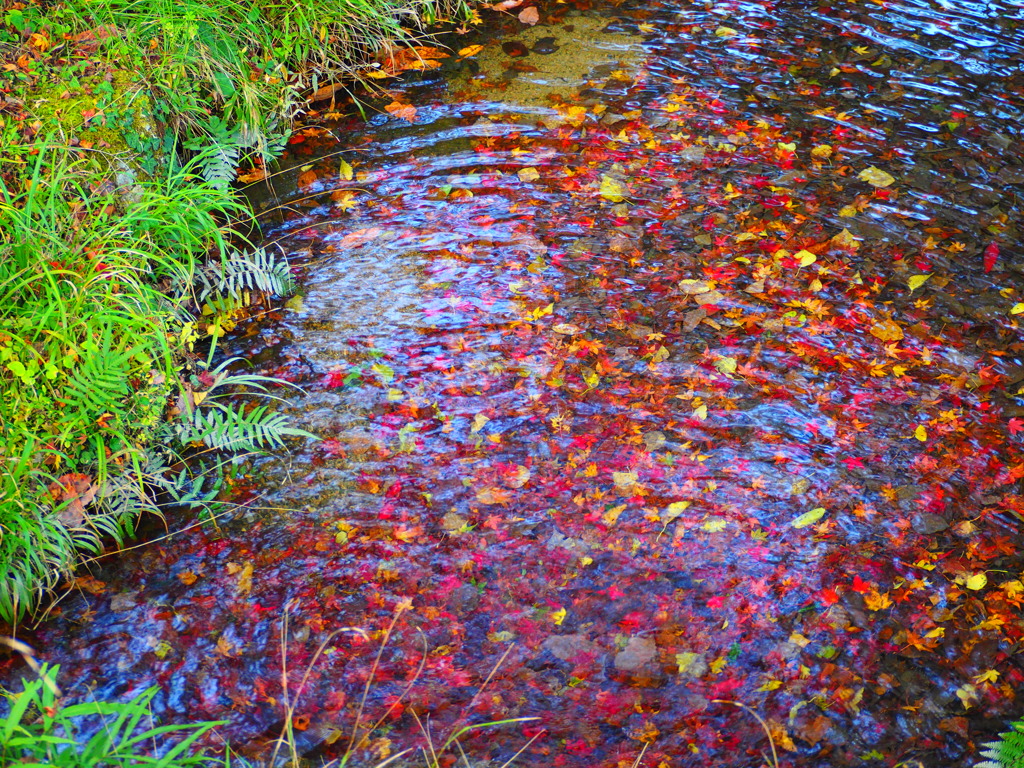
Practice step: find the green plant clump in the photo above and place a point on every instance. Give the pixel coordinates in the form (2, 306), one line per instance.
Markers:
(95, 324)
(39, 731)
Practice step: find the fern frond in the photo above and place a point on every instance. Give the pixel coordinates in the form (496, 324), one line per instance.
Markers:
(259, 270)
(225, 428)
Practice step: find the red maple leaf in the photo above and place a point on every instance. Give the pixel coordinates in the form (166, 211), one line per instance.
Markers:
(1015, 425)
(991, 254)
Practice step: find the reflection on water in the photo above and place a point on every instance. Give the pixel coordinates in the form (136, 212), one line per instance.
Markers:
(638, 372)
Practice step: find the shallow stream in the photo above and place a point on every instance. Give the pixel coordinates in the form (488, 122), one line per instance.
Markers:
(663, 356)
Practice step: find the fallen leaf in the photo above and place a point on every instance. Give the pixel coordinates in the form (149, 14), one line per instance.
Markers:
(470, 50)
(976, 581)
(715, 524)
(405, 112)
(345, 170)
(529, 16)
(528, 174)
(876, 177)
(916, 281)
(808, 518)
(886, 330)
(921, 433)
(725, 32)
(612, 190)
(806, 258)
(693, 287)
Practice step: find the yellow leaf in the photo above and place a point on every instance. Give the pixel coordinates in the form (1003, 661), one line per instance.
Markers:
(771, 685)
(886, 330)
(685, 660)
(787, 147)
(976, 581)
(715, 524)
(822, 152)
(528, 174)
(198, 397)
(470, 50)
(586, 560)
(719, 664)
(988, 676)
(610, 517)
(848, 211)
(921, 433)
(346, 170)
(845, 239)
(808, 518)
(806, 258)
(725, 32)
(624, 479)
(558, 616)
(1017, 308)
(701, 412)
(876, 177)
(916, 281)
(674, 510)
(478, 423)
(612, 190)
(693, 287)
(937, 632)
(726, 365)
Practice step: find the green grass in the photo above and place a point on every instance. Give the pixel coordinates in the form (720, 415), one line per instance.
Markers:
(115, 259)
(90, 341)
(39, 731)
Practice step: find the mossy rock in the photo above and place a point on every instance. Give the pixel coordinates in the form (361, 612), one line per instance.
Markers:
(111, 116)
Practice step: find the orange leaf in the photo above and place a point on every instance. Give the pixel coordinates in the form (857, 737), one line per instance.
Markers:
(307, 178)
(406, 112)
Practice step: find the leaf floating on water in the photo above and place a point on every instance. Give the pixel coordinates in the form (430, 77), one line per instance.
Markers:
(612, 190)
(921, 433)
(886, 330)
(566, 329)
(470, 50)
(1017, 309)
(528, 174)
(822, 152)
(478, 423)
(809, 518)
(725, 32)
(876, 177)
(916, 281)
(345, 170)
(715, 524)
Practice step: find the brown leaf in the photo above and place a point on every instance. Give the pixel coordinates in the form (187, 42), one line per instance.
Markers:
(250, 177)
(814, 731)
(325, 92)
(493, 496)
(529, 16)
(307, 178)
